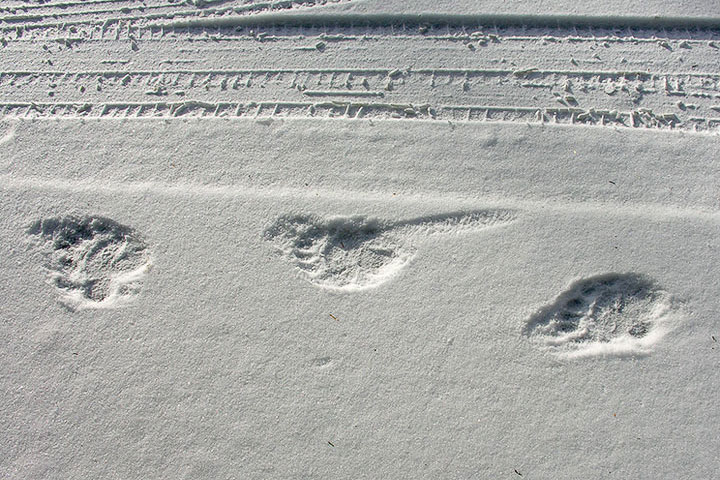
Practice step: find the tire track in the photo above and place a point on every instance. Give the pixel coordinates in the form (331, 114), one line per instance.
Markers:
(680, 100)
(267, 111)
(570, 74)
(144, 14)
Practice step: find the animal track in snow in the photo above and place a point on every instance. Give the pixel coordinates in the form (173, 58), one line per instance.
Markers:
(355, 253)
(614, 314)
(93, 261)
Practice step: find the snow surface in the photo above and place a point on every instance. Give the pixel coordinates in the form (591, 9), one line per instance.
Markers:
(561, 8)
(199, 291)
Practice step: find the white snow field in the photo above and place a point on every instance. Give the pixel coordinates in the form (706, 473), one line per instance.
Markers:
(359, 239)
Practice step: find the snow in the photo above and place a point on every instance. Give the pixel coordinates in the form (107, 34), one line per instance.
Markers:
(560, 8)
(244, 282)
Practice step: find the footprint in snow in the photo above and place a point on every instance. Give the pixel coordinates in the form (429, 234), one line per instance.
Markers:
(610, 314)
(94, 262)
(355, 253)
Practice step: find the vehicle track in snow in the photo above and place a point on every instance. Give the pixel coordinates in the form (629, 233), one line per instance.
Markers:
(239, 59)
